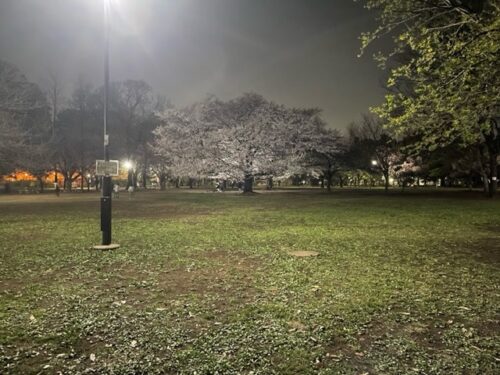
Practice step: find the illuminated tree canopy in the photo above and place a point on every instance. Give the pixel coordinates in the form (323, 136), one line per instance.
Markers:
(446, 89)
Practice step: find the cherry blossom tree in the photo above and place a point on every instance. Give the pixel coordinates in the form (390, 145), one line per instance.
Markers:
(404, 169)
(240, 139)
(177, 145)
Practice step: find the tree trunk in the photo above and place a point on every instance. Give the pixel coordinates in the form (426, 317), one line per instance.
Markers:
(67, 181)
(6, 189)
(191, 182)
(248, 184)
(329, 182)
(492, 188)
(134, 179)
(130, 178)
(40, 182)
(269, 185)
(163, 182)
(81, 180)
(486, 185)
(386, 180)
(468, 182)
(144, 179)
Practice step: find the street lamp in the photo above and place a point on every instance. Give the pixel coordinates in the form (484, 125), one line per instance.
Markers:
(374, 163)
(106, 179)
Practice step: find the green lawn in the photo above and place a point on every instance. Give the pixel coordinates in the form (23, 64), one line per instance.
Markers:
(203, 284)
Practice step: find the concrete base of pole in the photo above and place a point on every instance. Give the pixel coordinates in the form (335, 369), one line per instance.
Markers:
(112, 246)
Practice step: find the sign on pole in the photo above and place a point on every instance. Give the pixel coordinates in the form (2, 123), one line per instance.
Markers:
(107, 168)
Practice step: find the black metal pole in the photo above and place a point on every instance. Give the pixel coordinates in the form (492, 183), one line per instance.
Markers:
(106, 180)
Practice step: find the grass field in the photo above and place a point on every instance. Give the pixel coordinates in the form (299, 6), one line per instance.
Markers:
(203, 284)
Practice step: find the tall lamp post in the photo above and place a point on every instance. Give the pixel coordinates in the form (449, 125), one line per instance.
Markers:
(106, 179)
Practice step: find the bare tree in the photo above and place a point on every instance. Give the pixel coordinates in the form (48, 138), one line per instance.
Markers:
(325, 155)
(23, 117)
(371, 143)
(54, 96)
(133, 104)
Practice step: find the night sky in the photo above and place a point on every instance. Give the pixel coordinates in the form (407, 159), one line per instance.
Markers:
(295, 52)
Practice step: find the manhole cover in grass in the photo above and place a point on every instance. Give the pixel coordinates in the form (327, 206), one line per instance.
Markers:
(303, 253)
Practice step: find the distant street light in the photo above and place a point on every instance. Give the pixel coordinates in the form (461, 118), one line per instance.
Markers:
(374, 163)
(128, 165)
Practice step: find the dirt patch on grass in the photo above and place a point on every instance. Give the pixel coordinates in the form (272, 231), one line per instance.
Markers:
(35, 278)
(341, 351)
(486, 250)
(220, 272)
(376, 334)
(489, 327)
(493, 228)
(11, 285)
(23, 237)
(426, 335)
(158, 211)
(226, 276)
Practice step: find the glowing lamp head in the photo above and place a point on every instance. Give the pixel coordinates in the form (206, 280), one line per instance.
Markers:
(374, 163)
(128, 165)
